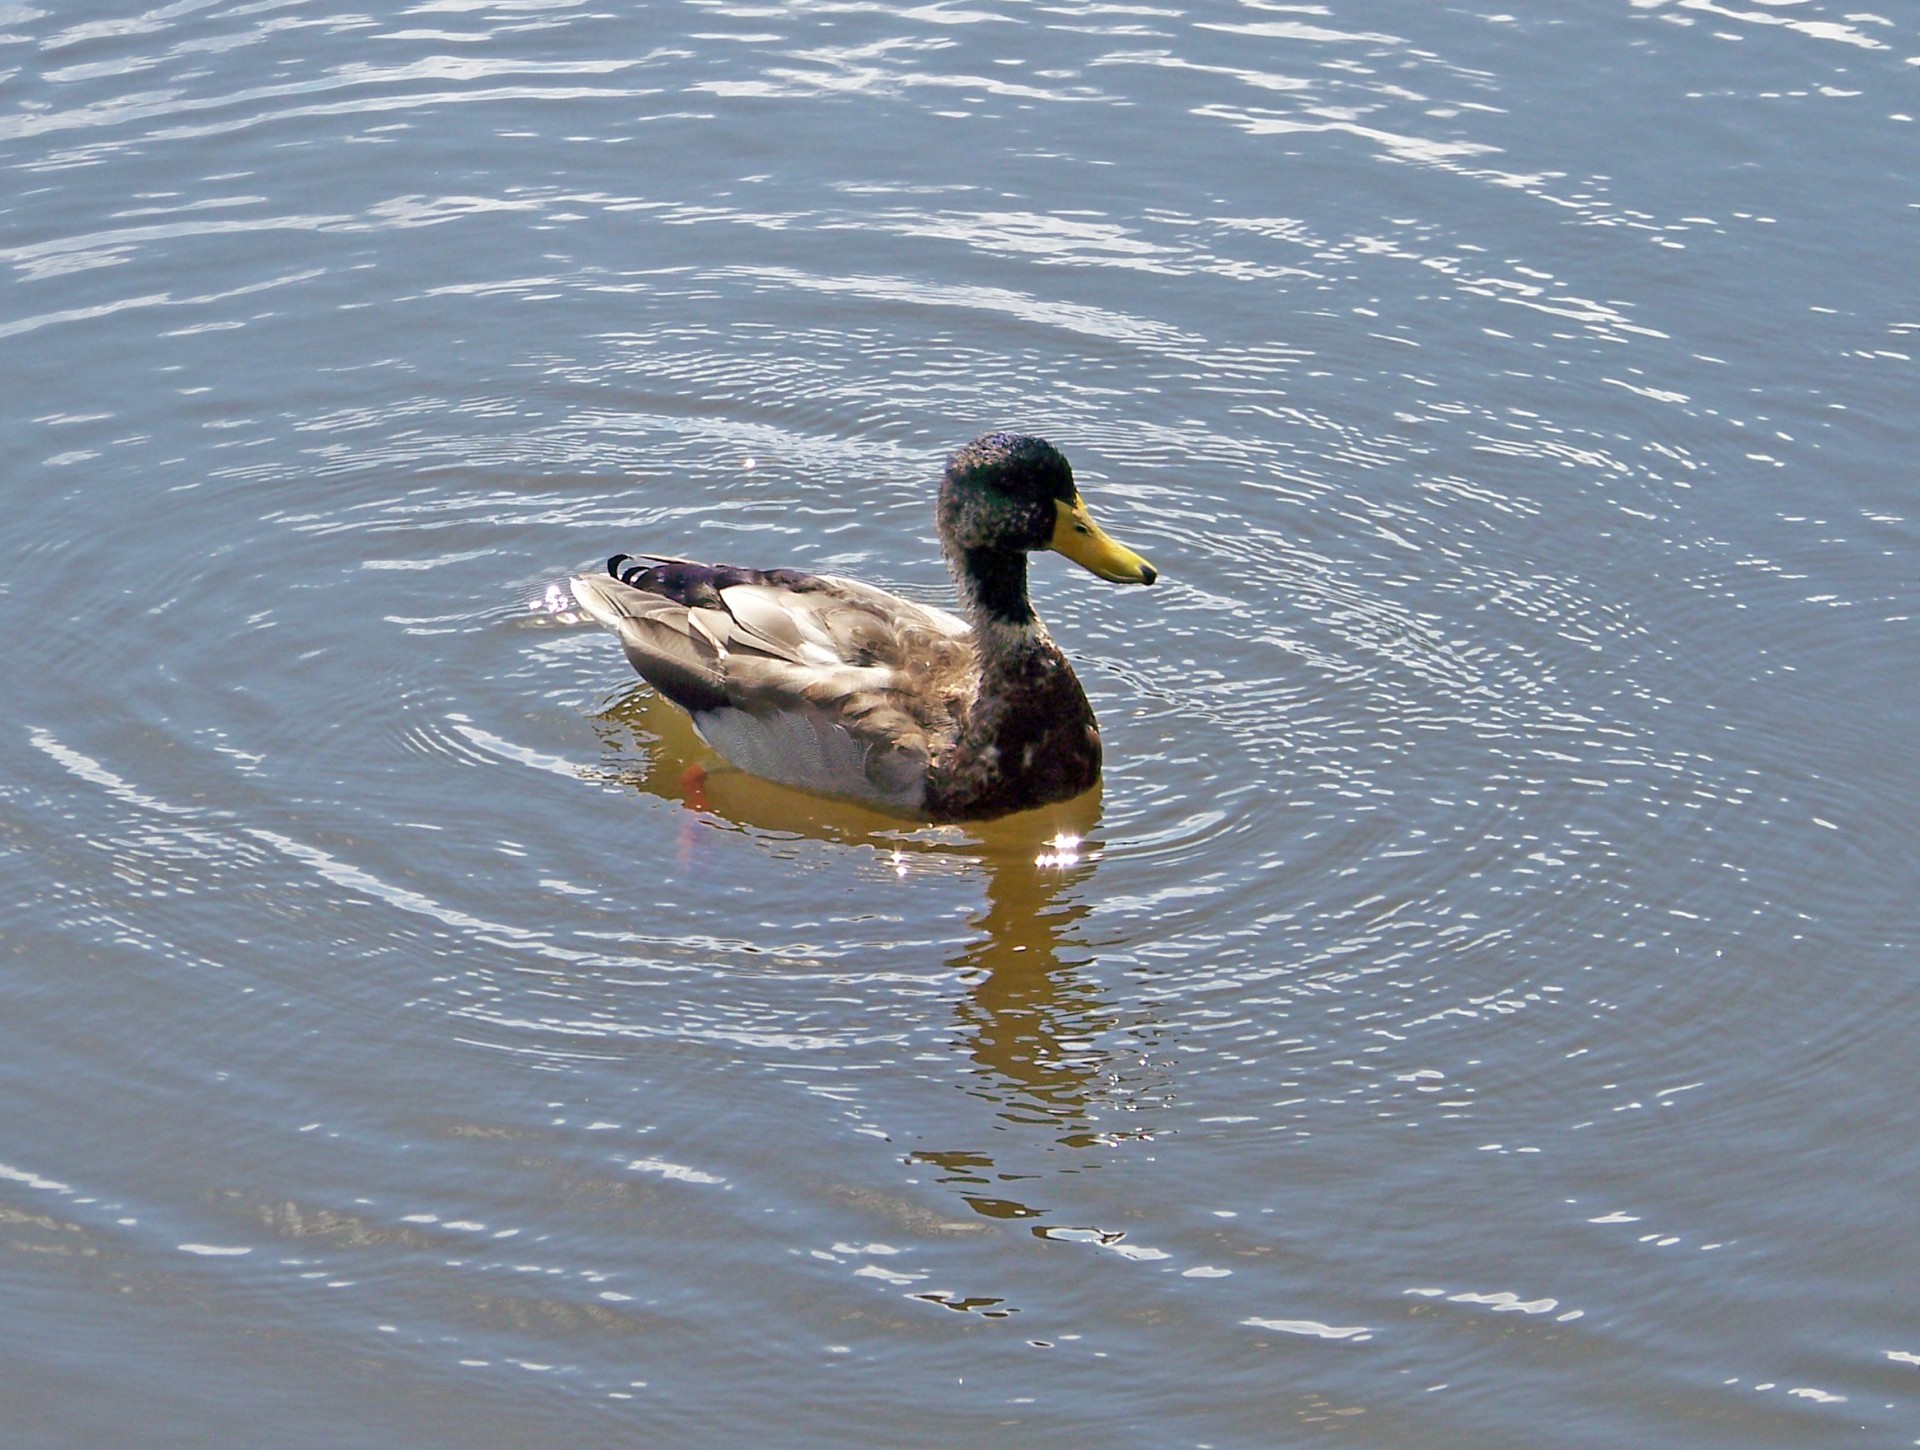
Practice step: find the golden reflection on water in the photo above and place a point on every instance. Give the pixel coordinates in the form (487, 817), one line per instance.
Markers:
(1031, 1023)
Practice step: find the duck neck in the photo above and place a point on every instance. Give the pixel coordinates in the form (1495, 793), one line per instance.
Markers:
(993, 587)
(1027, 735)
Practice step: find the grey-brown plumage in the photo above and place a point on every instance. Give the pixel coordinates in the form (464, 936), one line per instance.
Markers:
(835, 686)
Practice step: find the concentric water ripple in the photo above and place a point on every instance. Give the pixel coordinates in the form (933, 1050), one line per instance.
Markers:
(1466, 1012)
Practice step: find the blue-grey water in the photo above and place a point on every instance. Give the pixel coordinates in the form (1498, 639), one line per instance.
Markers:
(1480, 1008)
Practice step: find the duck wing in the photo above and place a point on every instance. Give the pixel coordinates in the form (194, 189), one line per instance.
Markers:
(808, 679)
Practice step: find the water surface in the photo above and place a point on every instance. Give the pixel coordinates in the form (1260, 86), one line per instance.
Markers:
(1478, 1007)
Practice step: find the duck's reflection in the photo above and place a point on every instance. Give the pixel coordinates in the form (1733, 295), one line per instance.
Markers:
(1031, 1022)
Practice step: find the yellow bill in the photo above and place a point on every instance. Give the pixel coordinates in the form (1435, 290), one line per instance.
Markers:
(1077, 536)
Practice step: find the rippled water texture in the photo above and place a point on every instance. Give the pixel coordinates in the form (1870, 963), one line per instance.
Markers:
(1479, 1008)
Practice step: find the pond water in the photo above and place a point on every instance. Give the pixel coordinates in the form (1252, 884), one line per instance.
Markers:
(1478, 1009)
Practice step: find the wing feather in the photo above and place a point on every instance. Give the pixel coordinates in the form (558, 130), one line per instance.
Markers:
(811, 680)
(660, 641)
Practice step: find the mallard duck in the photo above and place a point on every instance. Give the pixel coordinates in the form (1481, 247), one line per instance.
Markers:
(841, 688)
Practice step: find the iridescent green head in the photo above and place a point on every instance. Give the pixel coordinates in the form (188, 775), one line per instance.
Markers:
(1006, 493)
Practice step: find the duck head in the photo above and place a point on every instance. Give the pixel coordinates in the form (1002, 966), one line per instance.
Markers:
(1006, 494)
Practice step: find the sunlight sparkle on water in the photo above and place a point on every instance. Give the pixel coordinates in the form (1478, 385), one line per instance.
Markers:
(1063, 850)
(557, 601)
